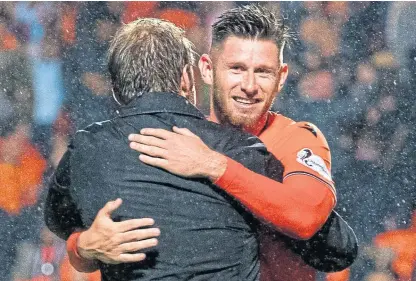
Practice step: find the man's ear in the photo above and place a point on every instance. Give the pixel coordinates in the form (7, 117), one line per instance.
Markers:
(283, 72)
(188, 84)
(206, 69)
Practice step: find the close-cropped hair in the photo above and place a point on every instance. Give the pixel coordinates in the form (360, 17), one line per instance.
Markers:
(148, 55)
(251, 22)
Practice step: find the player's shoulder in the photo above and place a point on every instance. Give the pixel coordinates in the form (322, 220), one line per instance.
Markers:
(286, 125)
(304, 130)
(305, 127)
(288, 131)
(279, 121)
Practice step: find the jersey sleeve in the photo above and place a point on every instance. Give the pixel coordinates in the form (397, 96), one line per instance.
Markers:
(79, 263)
(298, 207)
(305, 151)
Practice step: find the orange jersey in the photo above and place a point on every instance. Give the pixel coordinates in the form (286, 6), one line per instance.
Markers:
(297, 207)
(303, 150)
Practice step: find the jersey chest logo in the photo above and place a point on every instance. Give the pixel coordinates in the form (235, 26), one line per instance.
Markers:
(314, 162)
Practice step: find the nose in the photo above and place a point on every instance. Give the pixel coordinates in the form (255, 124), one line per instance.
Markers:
(249, 84)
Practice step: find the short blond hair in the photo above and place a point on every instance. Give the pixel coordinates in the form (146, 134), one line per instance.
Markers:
(148, 55)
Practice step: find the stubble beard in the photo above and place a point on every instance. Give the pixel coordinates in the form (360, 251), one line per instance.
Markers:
(226, 116)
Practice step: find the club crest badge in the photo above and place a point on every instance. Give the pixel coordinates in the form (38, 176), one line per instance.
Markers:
(314, 162)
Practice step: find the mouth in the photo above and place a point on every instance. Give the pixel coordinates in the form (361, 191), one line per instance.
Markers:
(246, 102)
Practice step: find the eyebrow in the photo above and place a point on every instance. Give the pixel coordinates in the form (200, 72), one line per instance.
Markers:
(233, 63)
(268, 68)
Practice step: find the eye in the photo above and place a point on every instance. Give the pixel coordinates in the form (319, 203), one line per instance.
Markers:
(236, 68)
(265, 72)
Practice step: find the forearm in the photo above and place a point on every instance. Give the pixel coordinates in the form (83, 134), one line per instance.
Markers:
(77, 261)
(298, 207)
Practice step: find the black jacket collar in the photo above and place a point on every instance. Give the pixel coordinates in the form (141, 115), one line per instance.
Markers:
(158, 102)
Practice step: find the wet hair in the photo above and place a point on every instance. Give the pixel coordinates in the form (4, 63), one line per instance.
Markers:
(148, 55)
(251, 22)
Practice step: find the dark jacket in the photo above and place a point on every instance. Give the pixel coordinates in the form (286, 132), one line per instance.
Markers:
(205, 234)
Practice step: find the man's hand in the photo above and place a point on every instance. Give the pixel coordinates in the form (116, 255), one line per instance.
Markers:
(116, 242)
(180, 152)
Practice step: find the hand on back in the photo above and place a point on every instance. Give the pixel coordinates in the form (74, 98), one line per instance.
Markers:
(116, 242)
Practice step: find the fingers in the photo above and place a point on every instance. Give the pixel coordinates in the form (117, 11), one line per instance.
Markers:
(128, 225)
(128, 258)
(184, 131)
(110, 207)
(139, 234)
(159, 133)
(138, 245)
(148, 140)
(149, 150)
(152, 161)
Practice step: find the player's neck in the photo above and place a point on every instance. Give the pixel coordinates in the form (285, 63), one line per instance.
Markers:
(259, 127)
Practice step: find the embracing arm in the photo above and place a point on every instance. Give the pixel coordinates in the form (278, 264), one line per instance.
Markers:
(298, 207)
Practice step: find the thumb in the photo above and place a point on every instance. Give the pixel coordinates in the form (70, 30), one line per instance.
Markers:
(184, 131)
(110, 207)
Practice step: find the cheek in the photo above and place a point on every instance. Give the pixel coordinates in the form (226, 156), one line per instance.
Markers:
(229, 81)
(270, 100)
(234, 78)
(268, 85)
(270, 91)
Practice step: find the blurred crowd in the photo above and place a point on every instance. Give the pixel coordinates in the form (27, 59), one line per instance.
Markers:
(352, 73)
